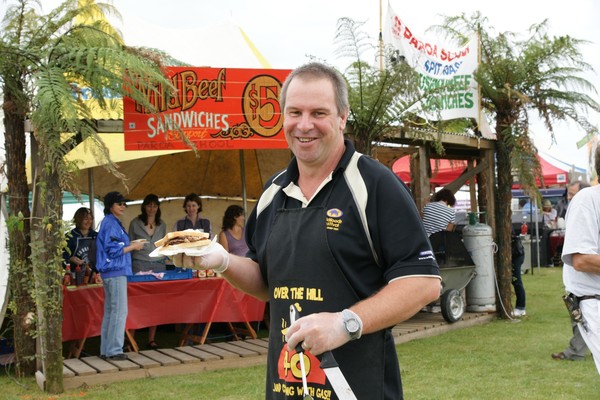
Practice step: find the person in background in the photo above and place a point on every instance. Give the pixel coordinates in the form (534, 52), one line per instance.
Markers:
(232, 235)
(80, 240)
(548, 213)
(526, 206)
(577, 349)
(581, 260)
(337, 247)
(150, 227)
(233, 239)
(518, 257)
(563, 204)
(438, 215)
(192, 205)
(113, 261)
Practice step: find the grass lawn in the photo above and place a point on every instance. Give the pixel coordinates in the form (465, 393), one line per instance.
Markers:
(499, 360)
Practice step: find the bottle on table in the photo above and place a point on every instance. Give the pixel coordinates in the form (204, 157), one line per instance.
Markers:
(88, 274)
(524, 229)
(67, 277)
(79, 274)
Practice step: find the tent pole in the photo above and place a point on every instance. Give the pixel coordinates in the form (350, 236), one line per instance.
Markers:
(243, 174)
(91, 196)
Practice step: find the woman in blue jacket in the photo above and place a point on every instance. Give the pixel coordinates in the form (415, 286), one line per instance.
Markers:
(113, 261)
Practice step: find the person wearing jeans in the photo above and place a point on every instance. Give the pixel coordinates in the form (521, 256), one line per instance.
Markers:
(113, 261)
(115, 315)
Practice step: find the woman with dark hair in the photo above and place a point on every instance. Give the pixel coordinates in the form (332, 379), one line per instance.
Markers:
(438, 215)
(192, 205)
(113, 261)
(232, 236)
(149, 227)
(80, 240)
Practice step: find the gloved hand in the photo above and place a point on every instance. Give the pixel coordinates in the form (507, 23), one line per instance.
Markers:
(320, 332)
(217, 259)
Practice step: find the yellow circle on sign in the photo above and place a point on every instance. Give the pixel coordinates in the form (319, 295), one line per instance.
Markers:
(260, 105)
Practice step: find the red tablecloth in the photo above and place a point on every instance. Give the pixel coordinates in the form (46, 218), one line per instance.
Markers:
(158, 303)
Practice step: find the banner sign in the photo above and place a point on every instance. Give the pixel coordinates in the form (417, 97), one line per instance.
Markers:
(216, 108)
(448, 72)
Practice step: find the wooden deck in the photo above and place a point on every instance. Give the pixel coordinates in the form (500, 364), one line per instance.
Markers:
(88, 371)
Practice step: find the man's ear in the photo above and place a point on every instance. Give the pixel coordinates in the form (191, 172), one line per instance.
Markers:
(343, 121)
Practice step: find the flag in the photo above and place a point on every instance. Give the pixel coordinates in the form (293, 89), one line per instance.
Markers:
(447, 72)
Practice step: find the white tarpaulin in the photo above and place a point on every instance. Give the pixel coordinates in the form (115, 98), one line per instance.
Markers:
(449, 72)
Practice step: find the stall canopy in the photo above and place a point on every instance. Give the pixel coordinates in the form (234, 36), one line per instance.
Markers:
(555, 172)
(174, 173)
(442, 171)
(217, 44)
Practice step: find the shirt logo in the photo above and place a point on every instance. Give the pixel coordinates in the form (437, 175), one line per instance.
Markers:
(333, 222)
(335, 213)
(427, 254)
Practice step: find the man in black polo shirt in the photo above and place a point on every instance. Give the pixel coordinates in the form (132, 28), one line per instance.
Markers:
(337, 238)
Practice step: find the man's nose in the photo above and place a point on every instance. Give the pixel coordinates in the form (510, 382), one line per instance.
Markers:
(305, 123)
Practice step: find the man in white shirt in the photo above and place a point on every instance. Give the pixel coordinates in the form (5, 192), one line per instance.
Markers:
(581, 257)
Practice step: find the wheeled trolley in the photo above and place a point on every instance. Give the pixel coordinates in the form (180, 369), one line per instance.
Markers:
(456, 268)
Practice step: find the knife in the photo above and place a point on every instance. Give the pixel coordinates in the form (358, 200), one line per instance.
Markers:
(294, 314)
(335, 377)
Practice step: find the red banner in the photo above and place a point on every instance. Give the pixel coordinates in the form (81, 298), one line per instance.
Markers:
(216, 108)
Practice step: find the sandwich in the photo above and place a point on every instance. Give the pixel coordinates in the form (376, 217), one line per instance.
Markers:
(190, 238)
(181, 241)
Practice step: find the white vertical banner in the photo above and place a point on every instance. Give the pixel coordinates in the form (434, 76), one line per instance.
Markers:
(448, 72)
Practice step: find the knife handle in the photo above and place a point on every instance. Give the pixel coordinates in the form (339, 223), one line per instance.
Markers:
(328, 360)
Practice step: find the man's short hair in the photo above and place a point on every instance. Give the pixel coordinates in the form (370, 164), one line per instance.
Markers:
(316, 70)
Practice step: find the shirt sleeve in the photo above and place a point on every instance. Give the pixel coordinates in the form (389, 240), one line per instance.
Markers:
(398, 233)
(582, 226)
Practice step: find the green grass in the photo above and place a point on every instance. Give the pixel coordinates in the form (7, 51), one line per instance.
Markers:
(499, 360)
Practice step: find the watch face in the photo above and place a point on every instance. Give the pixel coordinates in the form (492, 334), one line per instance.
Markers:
(352, 325)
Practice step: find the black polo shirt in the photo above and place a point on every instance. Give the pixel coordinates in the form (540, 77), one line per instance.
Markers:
(374, 230)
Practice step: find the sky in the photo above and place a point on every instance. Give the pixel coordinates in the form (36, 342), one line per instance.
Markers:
(287, 33)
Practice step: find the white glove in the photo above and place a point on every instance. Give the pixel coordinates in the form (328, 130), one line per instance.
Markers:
(319, 332)
(217, 259)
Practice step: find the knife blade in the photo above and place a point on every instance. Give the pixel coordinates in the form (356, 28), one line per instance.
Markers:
(335, 377)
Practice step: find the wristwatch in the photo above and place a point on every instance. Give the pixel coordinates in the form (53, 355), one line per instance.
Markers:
(352, 324)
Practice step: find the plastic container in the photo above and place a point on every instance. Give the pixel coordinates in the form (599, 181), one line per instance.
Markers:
(176, 274)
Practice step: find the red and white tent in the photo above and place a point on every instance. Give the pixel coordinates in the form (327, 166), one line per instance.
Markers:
(553, 175)
(445, 171)
(442, 171)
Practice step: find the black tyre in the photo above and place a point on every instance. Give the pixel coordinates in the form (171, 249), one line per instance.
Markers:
(453, 305)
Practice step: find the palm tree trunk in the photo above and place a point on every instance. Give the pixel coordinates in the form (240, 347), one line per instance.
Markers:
(18, 235)
(503, 215)
(47, 268)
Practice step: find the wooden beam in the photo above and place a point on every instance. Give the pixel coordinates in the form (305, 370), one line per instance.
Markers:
(456, 184)
(109, 125)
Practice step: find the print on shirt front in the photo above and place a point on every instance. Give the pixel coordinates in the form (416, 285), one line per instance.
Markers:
(308, 276)
(324, 257)
(289, 367)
